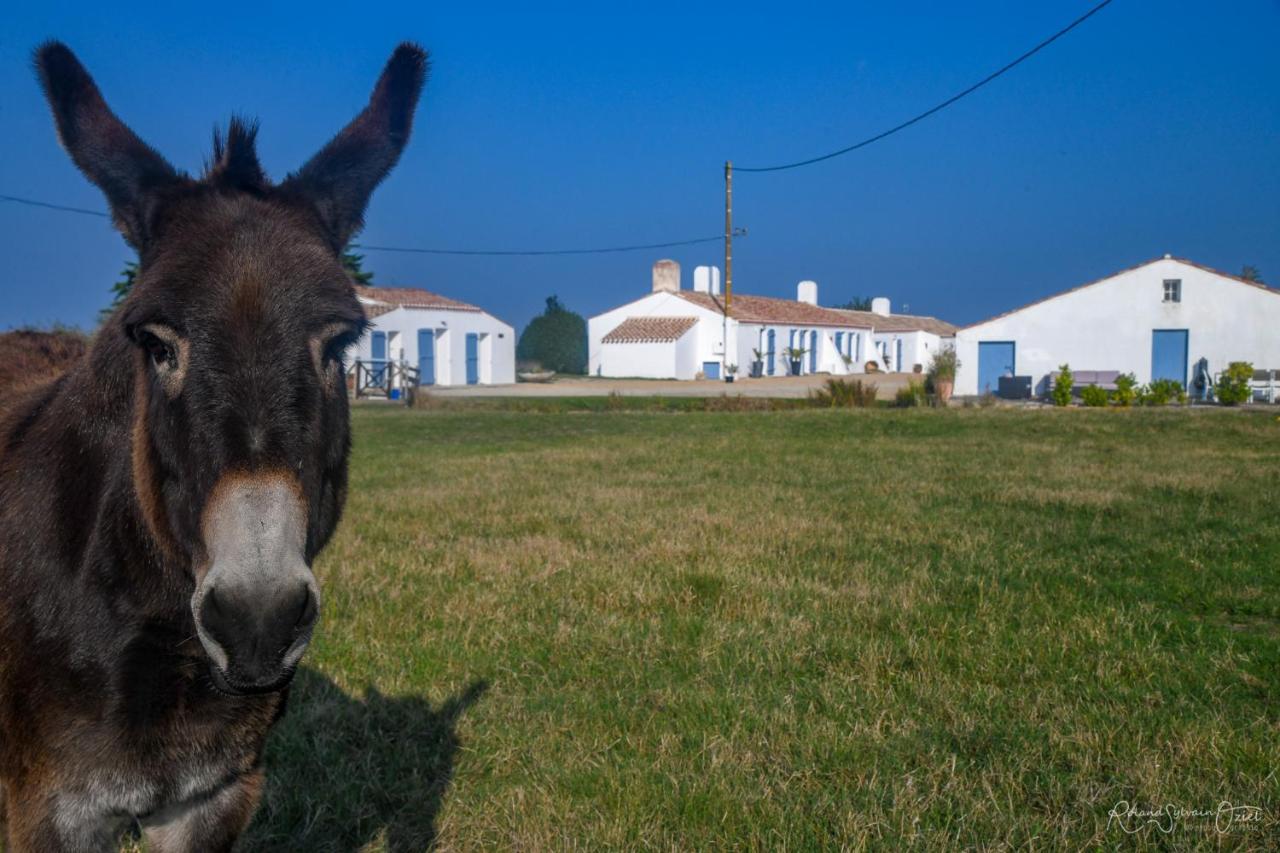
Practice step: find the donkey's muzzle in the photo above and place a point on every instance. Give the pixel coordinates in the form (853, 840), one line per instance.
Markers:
(260, 637)
(257, 604)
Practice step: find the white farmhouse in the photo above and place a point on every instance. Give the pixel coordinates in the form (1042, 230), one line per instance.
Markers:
(1155, 320)
(449, 342)
(672, 333)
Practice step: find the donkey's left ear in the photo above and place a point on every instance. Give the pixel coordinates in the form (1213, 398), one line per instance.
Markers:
(127, 170)
(339, 180)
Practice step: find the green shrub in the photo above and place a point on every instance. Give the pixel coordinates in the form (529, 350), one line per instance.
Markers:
(1162, 392)
(1094, 396)
(555, 339)
(1126, 393)
(910, 396)
(1061, 393)
(943, 365)
(844, 394)
(1233, 384)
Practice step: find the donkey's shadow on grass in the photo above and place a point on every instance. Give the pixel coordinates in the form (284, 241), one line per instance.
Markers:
(344, 771)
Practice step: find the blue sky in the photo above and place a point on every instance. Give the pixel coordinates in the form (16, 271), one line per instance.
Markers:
(1150, 129)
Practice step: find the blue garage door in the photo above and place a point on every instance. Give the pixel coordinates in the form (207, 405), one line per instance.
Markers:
(995, 359)
(426, 357)
(711, 369)
(473, 358)
(1169, 355)
(772, 353)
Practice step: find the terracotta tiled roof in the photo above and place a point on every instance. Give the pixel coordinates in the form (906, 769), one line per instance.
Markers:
(903, 322)
(1211, 270)
(766, 309)
(650, 330)
(379, 300)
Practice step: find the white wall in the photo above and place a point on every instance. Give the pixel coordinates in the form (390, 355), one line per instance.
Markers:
(497, 343)
(704, 342)
(918, 347)
(1108, 326)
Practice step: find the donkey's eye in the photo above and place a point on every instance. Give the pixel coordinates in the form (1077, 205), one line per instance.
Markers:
(161, 354)
(167, 353)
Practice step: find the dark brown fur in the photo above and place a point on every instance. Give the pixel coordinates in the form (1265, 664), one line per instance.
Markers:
(106, 700)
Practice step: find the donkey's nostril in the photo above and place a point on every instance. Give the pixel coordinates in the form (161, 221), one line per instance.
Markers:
(307, 610)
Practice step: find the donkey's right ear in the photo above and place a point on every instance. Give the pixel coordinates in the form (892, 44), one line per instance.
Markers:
(127, 170)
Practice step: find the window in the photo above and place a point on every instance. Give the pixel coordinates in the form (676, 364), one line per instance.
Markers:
(1173, 290)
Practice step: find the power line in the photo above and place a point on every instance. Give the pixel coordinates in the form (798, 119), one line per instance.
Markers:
(533, 252)
(33, 203)
(428, 251)
(948, 102)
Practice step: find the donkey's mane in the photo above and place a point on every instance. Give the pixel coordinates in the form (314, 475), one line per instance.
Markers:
(235, 158)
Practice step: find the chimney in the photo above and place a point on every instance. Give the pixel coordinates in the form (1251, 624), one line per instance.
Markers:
(706, 280)
(807, 291)
(666, 276)
(880, 305)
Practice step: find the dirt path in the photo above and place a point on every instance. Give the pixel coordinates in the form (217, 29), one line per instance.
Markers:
(584, 386)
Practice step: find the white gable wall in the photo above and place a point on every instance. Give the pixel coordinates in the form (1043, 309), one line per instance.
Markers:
(1108, 326)
(704, 342)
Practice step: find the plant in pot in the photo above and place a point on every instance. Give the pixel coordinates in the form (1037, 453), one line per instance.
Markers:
(757, 366)
(795, 356)
(730, 371)
(942, 373)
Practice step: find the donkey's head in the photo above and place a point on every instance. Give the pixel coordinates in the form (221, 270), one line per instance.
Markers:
(237, 325)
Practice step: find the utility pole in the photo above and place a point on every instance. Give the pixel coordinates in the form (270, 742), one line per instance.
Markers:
(728, 235)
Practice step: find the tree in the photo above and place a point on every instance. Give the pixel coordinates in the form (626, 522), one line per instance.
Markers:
(1251, 273)
(857, 303)
(556, 339)
(120, 289)
(354, 265)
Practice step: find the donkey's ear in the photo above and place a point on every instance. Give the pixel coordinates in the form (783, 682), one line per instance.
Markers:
(340, 178)
(127, 170)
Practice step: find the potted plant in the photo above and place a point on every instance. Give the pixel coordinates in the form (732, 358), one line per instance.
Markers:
(942, 373)
(730, 371)
(795, 355)
(757, 366)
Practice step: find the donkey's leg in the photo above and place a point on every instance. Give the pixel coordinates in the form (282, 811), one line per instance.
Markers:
(213, 823)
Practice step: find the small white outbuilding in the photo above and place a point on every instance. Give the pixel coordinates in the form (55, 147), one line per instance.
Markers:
(1155, 320)
(447, 341)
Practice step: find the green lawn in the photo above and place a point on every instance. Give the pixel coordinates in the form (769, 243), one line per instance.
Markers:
(790, 630)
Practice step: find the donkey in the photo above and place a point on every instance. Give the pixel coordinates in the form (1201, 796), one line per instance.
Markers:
(162, 502)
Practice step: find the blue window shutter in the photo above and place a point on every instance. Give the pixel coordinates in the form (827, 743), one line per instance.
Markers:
(426, 357)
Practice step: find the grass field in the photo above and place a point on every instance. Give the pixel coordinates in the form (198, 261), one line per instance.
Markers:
(791, 630)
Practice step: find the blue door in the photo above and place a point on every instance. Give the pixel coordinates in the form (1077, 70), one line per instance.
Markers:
(1169, 355)
(772, 350)
(995, 359)
(378, 364)
(897, 356)
(813, 351)
(426, 357)
(473, 358)
(711, 369)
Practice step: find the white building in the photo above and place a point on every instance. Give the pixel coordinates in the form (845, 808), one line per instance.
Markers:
(449, 342)
(672, 333)
(1155, 320)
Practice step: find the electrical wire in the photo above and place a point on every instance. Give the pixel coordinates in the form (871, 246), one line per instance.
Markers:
(33, 203)
(938, 108)
(738, 232)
